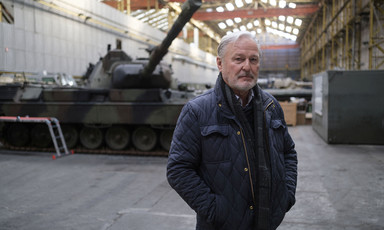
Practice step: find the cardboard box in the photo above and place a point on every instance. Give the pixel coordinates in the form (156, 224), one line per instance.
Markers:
(290, 112)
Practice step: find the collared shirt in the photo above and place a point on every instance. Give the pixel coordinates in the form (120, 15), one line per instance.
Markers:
(250, 97)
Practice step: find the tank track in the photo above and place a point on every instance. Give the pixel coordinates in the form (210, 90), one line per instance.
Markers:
(105, 151)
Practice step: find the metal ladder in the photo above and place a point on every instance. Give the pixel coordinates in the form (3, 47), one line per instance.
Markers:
(54, 129)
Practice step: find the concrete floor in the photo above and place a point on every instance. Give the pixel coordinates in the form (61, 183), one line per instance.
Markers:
(339, 187)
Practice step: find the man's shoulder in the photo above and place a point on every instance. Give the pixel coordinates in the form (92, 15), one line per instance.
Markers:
(203, 99)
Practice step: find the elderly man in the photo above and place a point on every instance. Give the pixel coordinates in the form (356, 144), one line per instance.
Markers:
(231, 158)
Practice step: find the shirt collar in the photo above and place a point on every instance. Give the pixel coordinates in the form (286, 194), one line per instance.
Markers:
(250, 97)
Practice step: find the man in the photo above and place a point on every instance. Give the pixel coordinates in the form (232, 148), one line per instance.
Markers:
(231, 158)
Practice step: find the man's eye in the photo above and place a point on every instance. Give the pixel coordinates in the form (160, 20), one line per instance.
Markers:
(254, 60)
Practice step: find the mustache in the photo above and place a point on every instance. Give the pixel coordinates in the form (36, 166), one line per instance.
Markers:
(246, 74)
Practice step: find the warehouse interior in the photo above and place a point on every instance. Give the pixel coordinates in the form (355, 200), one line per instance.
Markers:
(87, 111)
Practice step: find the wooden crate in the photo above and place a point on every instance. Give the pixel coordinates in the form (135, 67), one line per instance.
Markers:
(290, 112)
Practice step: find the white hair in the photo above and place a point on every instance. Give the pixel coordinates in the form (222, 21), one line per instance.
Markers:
(233, 37)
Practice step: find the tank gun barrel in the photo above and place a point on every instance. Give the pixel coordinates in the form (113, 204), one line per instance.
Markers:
(188, 9)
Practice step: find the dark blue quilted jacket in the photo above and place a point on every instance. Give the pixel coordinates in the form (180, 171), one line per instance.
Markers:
(208, 168)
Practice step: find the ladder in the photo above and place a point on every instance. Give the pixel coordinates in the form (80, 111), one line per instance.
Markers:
(54, 129)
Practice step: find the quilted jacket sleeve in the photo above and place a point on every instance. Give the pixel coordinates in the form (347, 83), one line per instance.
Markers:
(290, 158)
(183, 163)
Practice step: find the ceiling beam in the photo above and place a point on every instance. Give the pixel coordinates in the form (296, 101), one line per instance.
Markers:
(256, 13)
(135, 4)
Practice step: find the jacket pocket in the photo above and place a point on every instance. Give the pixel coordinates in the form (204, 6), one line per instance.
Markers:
(277, 135)
(215, 144)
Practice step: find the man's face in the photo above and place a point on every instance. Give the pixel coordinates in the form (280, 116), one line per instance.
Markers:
(240, 65)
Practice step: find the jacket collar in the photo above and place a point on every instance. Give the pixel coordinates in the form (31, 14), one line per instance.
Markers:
(220, 101)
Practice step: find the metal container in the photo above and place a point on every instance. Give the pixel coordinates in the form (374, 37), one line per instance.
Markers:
(348, 106)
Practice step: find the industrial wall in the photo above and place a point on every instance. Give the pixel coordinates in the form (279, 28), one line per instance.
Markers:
(66, 35)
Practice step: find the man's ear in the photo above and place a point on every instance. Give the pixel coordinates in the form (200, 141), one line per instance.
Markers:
(219, 63)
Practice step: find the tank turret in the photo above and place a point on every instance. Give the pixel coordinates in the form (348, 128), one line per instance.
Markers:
(141, 73)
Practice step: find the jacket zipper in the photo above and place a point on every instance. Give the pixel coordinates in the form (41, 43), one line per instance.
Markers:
(246, 153)
(249, 167)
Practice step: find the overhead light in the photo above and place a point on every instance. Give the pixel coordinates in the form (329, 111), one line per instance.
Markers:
(288, 29)
(290, 19)
(282, 4)
(249, 25)
(258, 31)
(220, 9)
(282, 18)
(274, 24)
(229, 22)
(295, 31)
(292, 5)
(267, 22)
(272, 2)
(298, 22)
(229, 6)
(222, 25)
(281, 26)
(248, 1)
(209, 10)
(243, 28)
(256, 23)
(239, 3)
(237, 19)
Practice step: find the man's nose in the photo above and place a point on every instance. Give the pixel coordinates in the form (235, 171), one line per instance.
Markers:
(246, 65)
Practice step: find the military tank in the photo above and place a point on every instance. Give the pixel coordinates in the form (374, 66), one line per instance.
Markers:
(125, 105)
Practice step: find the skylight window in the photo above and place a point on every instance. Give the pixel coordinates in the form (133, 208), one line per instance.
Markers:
(272, 2)
(229, 6)
(239, 3)
(292, 5)
(267, 22)
(220, 9)
(249, 25)
(282, 18)
(248, 1)
(298, 22)
(288, 29)
(274, 24)
(282, 4)
(229, 22)
(243, 28)
(290, 19)
(237, 19)
(295, 31)
(281, 26)
(222, 25)
(256, 23)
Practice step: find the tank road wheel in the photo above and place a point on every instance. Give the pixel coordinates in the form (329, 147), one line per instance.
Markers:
(71, 135)
(117, 138)
(91, 138)
(166, 138)
(144, 138)
(40, 136)
(17, 134)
